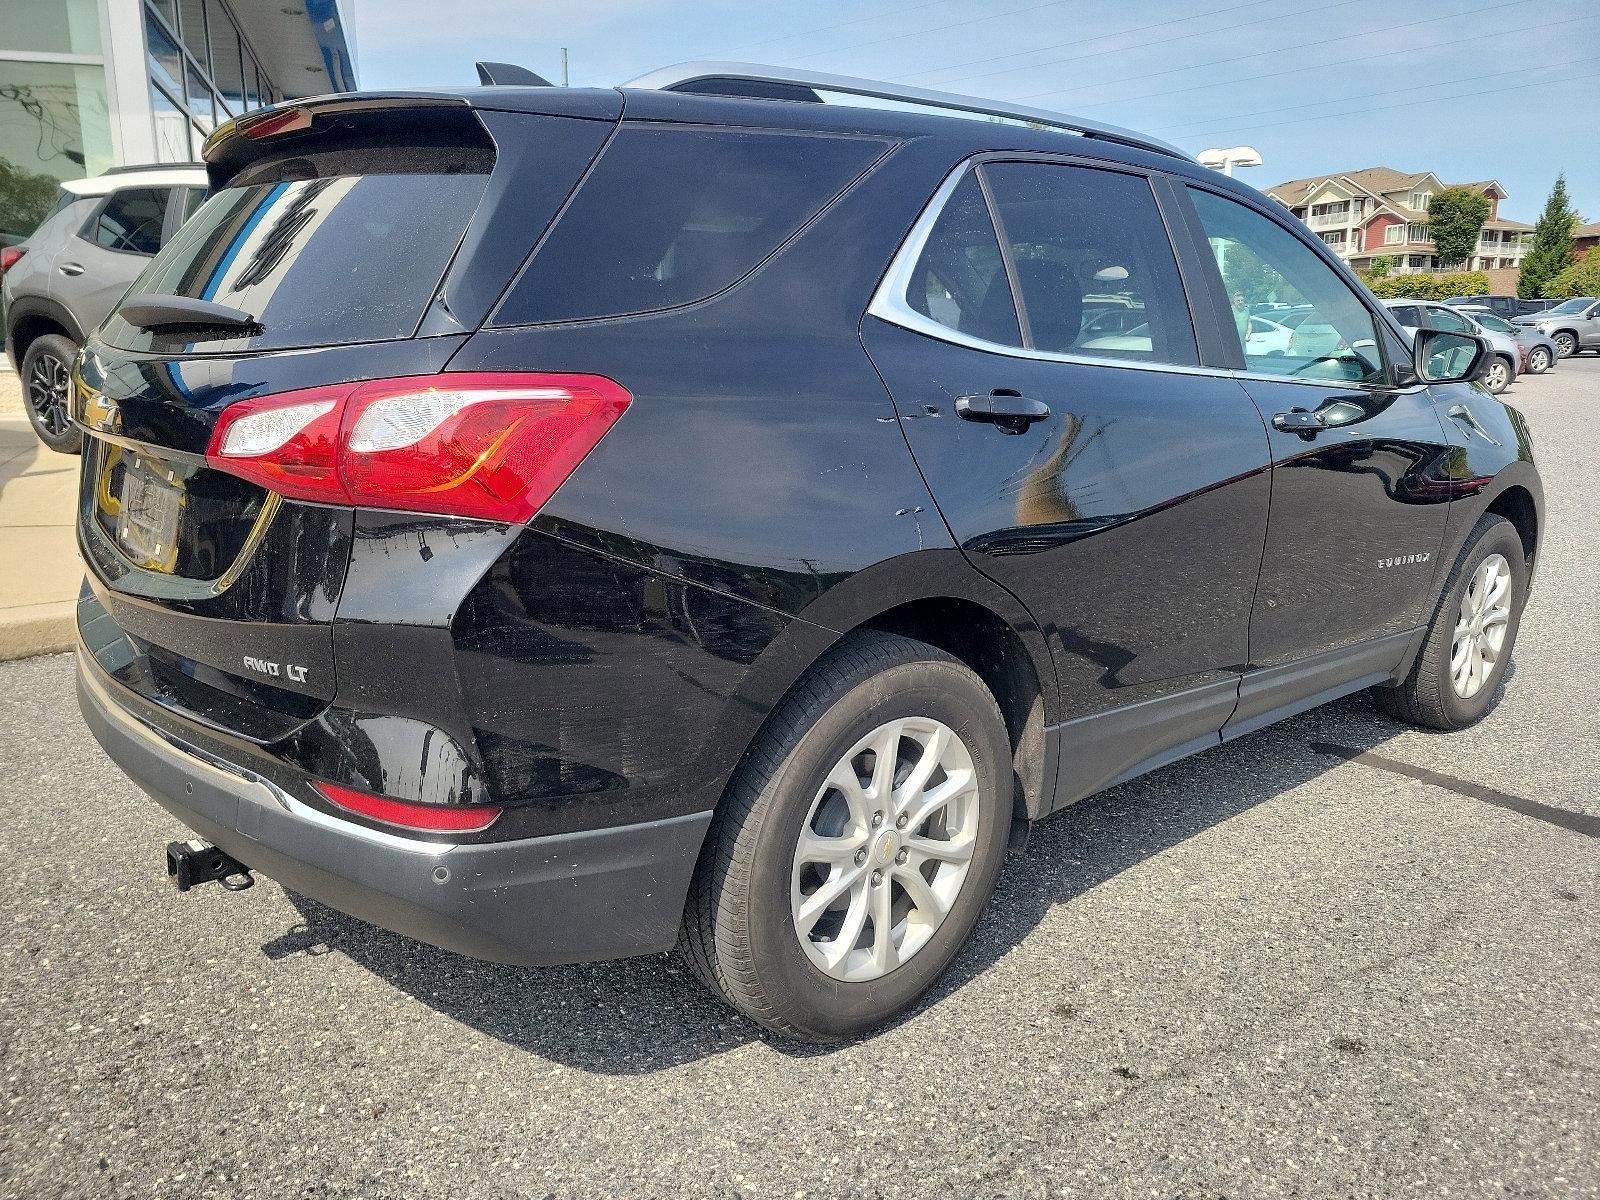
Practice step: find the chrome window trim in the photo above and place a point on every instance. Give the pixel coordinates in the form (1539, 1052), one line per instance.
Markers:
(889, 304)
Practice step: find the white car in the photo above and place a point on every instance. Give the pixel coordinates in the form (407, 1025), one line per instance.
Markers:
(1266, 339)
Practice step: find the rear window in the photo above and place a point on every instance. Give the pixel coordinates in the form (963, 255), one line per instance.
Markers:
(673, 214)
(319, 253)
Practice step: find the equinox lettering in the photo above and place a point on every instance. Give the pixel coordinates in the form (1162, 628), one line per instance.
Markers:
(1403, 560)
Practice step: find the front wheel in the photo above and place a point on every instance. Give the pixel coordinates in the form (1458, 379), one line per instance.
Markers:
(857, 844)
(1538, 360)
(1469, 642)
(1498, 377)
(1566, 344)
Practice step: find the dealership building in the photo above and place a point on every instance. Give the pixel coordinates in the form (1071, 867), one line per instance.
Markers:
(87, 85)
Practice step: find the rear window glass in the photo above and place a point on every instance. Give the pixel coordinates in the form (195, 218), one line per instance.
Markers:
(671, 215)
(326, 260)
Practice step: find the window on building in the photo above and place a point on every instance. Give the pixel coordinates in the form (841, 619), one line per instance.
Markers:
(1393, 235)
(54, 125)
(227, 71)
(1419, 200)
(1417, 232)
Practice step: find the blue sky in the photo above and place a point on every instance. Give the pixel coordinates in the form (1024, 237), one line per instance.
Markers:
(1471, 89)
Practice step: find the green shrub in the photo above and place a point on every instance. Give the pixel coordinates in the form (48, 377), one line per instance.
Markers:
(1582, 278)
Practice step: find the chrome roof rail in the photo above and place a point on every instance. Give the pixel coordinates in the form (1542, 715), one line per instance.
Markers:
(669, 79)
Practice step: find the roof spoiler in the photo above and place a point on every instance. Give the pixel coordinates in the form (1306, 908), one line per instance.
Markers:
(493, 74)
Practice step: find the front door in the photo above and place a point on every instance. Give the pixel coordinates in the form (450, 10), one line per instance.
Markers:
(1048, 382)
(1358, 502)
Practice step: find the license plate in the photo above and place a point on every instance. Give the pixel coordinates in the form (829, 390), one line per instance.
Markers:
(147, 526)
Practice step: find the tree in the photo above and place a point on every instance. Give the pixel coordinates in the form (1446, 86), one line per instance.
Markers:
(25, 198)
(1552, 250)
(1582, 278)
(1381, 266)
(1455, 219)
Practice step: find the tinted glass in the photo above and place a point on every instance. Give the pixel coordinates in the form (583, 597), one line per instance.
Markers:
(226, 71)
(1260, 260)
(346, 258)
(1408, 315)
(673, 215)
(960, 280)
(131, 220)
(166, 61)
(1443, 318)
(1490, 321)
(1095, 270)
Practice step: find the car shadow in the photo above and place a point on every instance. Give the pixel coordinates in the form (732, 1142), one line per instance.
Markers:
(641, 1015)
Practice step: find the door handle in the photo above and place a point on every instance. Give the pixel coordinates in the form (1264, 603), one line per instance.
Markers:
(1003, 407)
(1298, 420)
(70, 268)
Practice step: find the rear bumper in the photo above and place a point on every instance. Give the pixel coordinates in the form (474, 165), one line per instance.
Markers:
(574, 897)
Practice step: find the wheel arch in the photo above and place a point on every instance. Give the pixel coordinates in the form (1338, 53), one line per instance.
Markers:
(1516, 504)
(30, 318)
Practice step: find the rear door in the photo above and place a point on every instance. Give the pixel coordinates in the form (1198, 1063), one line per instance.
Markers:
(110, 251)
(1358, 503)
(1091, 466)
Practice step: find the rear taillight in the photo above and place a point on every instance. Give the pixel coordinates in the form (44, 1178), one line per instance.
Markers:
(431, 818)
(288, 120)
(494, 446)
(9, 257)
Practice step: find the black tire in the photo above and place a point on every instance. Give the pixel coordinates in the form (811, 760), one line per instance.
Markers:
(1566, 343)
(1427, 697)
(1498, 382)
(47, 394)
(1539, 360)
(738, 932)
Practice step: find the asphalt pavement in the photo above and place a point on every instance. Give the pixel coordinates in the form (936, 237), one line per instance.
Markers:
(1335, 958)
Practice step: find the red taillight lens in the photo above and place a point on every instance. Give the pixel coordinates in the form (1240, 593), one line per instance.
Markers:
(433, 818)
(9, 257)
(493, 446)
(289, 120)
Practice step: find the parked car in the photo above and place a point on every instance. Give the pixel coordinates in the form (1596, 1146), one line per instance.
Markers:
(1504, 307)
(1507, 355)
(1573, 325)
(74, 268)
(1267, 337)
(1538, 350)
(751, 586)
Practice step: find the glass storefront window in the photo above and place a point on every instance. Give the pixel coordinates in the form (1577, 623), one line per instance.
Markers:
(199, 96)
(226, 71)
(54, 125)
(192, 28)
(61, 27)
(252, 100)
(166, 60)
(172, 127)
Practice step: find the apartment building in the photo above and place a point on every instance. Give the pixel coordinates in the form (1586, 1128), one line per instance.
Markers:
(1378, 211)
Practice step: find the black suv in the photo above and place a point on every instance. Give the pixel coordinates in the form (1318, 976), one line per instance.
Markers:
(563, 524)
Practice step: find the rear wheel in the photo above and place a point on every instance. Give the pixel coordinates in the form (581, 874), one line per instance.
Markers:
(47, 391)
(1498, 376)
(1538, 360)
(1469, 642)
(858, 843)
(1566, 343)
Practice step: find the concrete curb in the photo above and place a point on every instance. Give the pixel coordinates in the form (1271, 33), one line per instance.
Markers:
(33, 629)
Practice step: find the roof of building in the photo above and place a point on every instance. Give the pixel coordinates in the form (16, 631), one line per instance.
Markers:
(1377, 180)
(1585, 230)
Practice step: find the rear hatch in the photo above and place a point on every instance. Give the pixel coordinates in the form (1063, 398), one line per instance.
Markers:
(346, 240)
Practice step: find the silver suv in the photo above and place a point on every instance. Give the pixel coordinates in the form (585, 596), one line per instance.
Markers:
(1573, 325)
(74, 269)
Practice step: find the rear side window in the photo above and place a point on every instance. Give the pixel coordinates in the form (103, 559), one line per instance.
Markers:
(326, 260)
(960, 278)
(674, 214)
(131, 220)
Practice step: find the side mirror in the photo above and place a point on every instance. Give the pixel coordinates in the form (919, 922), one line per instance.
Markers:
(1440, 356)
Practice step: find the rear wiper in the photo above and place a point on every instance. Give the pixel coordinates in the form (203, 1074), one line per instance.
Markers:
(145, 311)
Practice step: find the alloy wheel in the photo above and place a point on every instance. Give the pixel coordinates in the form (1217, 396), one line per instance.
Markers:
(885, 849)
(47, 393)
(1497, 378)
(1566, 344)
(1481, 625)
(1538, 360)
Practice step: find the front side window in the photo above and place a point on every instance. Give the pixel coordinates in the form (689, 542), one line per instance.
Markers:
(1408, 315)
(1262, 261)
(1094, 269)
(131, 221)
